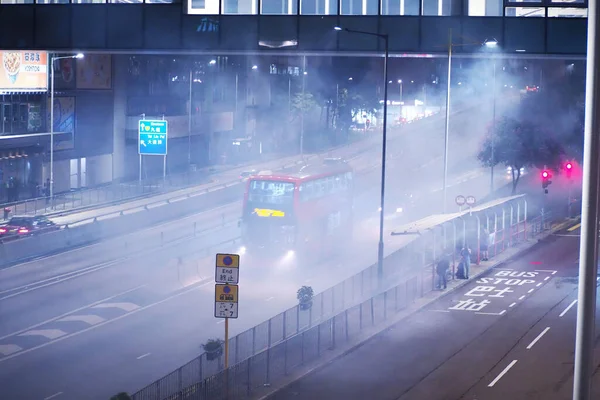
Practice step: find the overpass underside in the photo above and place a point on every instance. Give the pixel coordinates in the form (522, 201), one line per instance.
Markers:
(416, 27)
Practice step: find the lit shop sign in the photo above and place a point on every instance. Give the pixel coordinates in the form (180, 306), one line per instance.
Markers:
(265, 212)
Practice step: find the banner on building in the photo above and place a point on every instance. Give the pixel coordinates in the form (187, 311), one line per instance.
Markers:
(23, 72)
(64, 122)
(94, 72)
(64, 74)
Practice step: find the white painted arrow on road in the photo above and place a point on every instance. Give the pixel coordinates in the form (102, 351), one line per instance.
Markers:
(128, 307)
(88, 319)
(47, 333)
(8, 349)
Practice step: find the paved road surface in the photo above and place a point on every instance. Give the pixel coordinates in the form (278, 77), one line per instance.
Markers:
(509, 334)
(123, 323)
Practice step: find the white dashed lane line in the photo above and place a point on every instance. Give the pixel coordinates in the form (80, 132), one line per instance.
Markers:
(66, 324)
(501, 374)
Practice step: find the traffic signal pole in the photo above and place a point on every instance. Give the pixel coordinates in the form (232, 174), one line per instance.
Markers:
(588, 245)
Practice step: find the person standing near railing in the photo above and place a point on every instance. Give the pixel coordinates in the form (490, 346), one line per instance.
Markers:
(465, 254)
(442, 270)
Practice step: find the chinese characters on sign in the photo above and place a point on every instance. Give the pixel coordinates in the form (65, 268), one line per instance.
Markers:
(493, 293)
(153, 136)
(226, 301)
(23, 71)
(227, 267)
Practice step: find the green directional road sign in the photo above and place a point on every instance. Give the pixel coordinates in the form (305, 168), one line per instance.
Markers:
(152, 139)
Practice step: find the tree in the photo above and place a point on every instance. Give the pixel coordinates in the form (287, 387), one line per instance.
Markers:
(519, 144)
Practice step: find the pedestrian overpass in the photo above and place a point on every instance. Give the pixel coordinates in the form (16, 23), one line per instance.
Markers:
(416, 27)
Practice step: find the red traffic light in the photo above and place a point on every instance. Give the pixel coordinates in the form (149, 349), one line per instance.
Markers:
(569, 165)
(545, 174)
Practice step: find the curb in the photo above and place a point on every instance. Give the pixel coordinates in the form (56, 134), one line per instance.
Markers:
(394, 321)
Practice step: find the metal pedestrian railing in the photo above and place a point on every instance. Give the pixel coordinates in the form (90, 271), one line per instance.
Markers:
(269, 351)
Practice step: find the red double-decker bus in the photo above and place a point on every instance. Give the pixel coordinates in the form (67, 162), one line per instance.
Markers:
(308, 212)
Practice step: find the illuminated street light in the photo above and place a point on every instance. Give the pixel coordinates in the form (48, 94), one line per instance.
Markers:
(212, 62)
(254, 67)
(491, 43)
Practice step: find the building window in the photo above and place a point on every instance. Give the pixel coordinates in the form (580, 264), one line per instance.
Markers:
(279, 7)
(360, 7)
(240, 7)
(319, 7)
(399, 7)
(525, 12)
(88, 1)
(485, 8)
(567, 12)
(203, 7)
(17, 1)
(437, 7)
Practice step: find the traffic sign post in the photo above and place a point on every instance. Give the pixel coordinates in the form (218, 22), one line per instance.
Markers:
(471, 201)
(460, 201)
(152, 141)
(227, 267)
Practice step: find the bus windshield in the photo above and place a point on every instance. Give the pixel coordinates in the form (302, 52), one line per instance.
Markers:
(270, 192)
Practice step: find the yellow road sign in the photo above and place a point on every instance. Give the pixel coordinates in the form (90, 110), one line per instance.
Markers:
(228, 260)
(226, 293)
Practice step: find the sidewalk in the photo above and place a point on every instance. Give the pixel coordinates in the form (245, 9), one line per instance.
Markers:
(368, 333)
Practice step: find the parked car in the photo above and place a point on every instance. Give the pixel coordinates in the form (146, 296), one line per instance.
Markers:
(27, 226)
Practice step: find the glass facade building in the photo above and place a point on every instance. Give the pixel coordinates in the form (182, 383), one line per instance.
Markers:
(472, 8)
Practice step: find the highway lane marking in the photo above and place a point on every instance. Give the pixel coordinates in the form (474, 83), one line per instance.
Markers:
(501, 374)
(566, 310)
(554, 272)
(483, 313)
(546, 278)
(89, 319)
(539, 284)
(47, 333)
(80, 272)
(269, 298)
(53, 396)
(530, 290)
(522, 297)
(127, 307)
(70, 335)
(512, 305)
(143, 356)
(574, 227)
(48, 321)
(8, 349)
(440, 311)
(534, 341)
(546, 270)
(62, 254)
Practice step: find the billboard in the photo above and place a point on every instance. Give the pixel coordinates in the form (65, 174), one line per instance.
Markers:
(94, 72)
(64, 121)
(23, 71)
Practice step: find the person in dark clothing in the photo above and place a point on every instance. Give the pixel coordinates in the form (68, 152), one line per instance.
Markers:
(442, 268)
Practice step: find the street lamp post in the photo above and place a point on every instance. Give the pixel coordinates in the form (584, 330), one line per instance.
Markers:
(447, 128)
(385, 38)
(400, 82)
(492, 44)
(52, 61)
